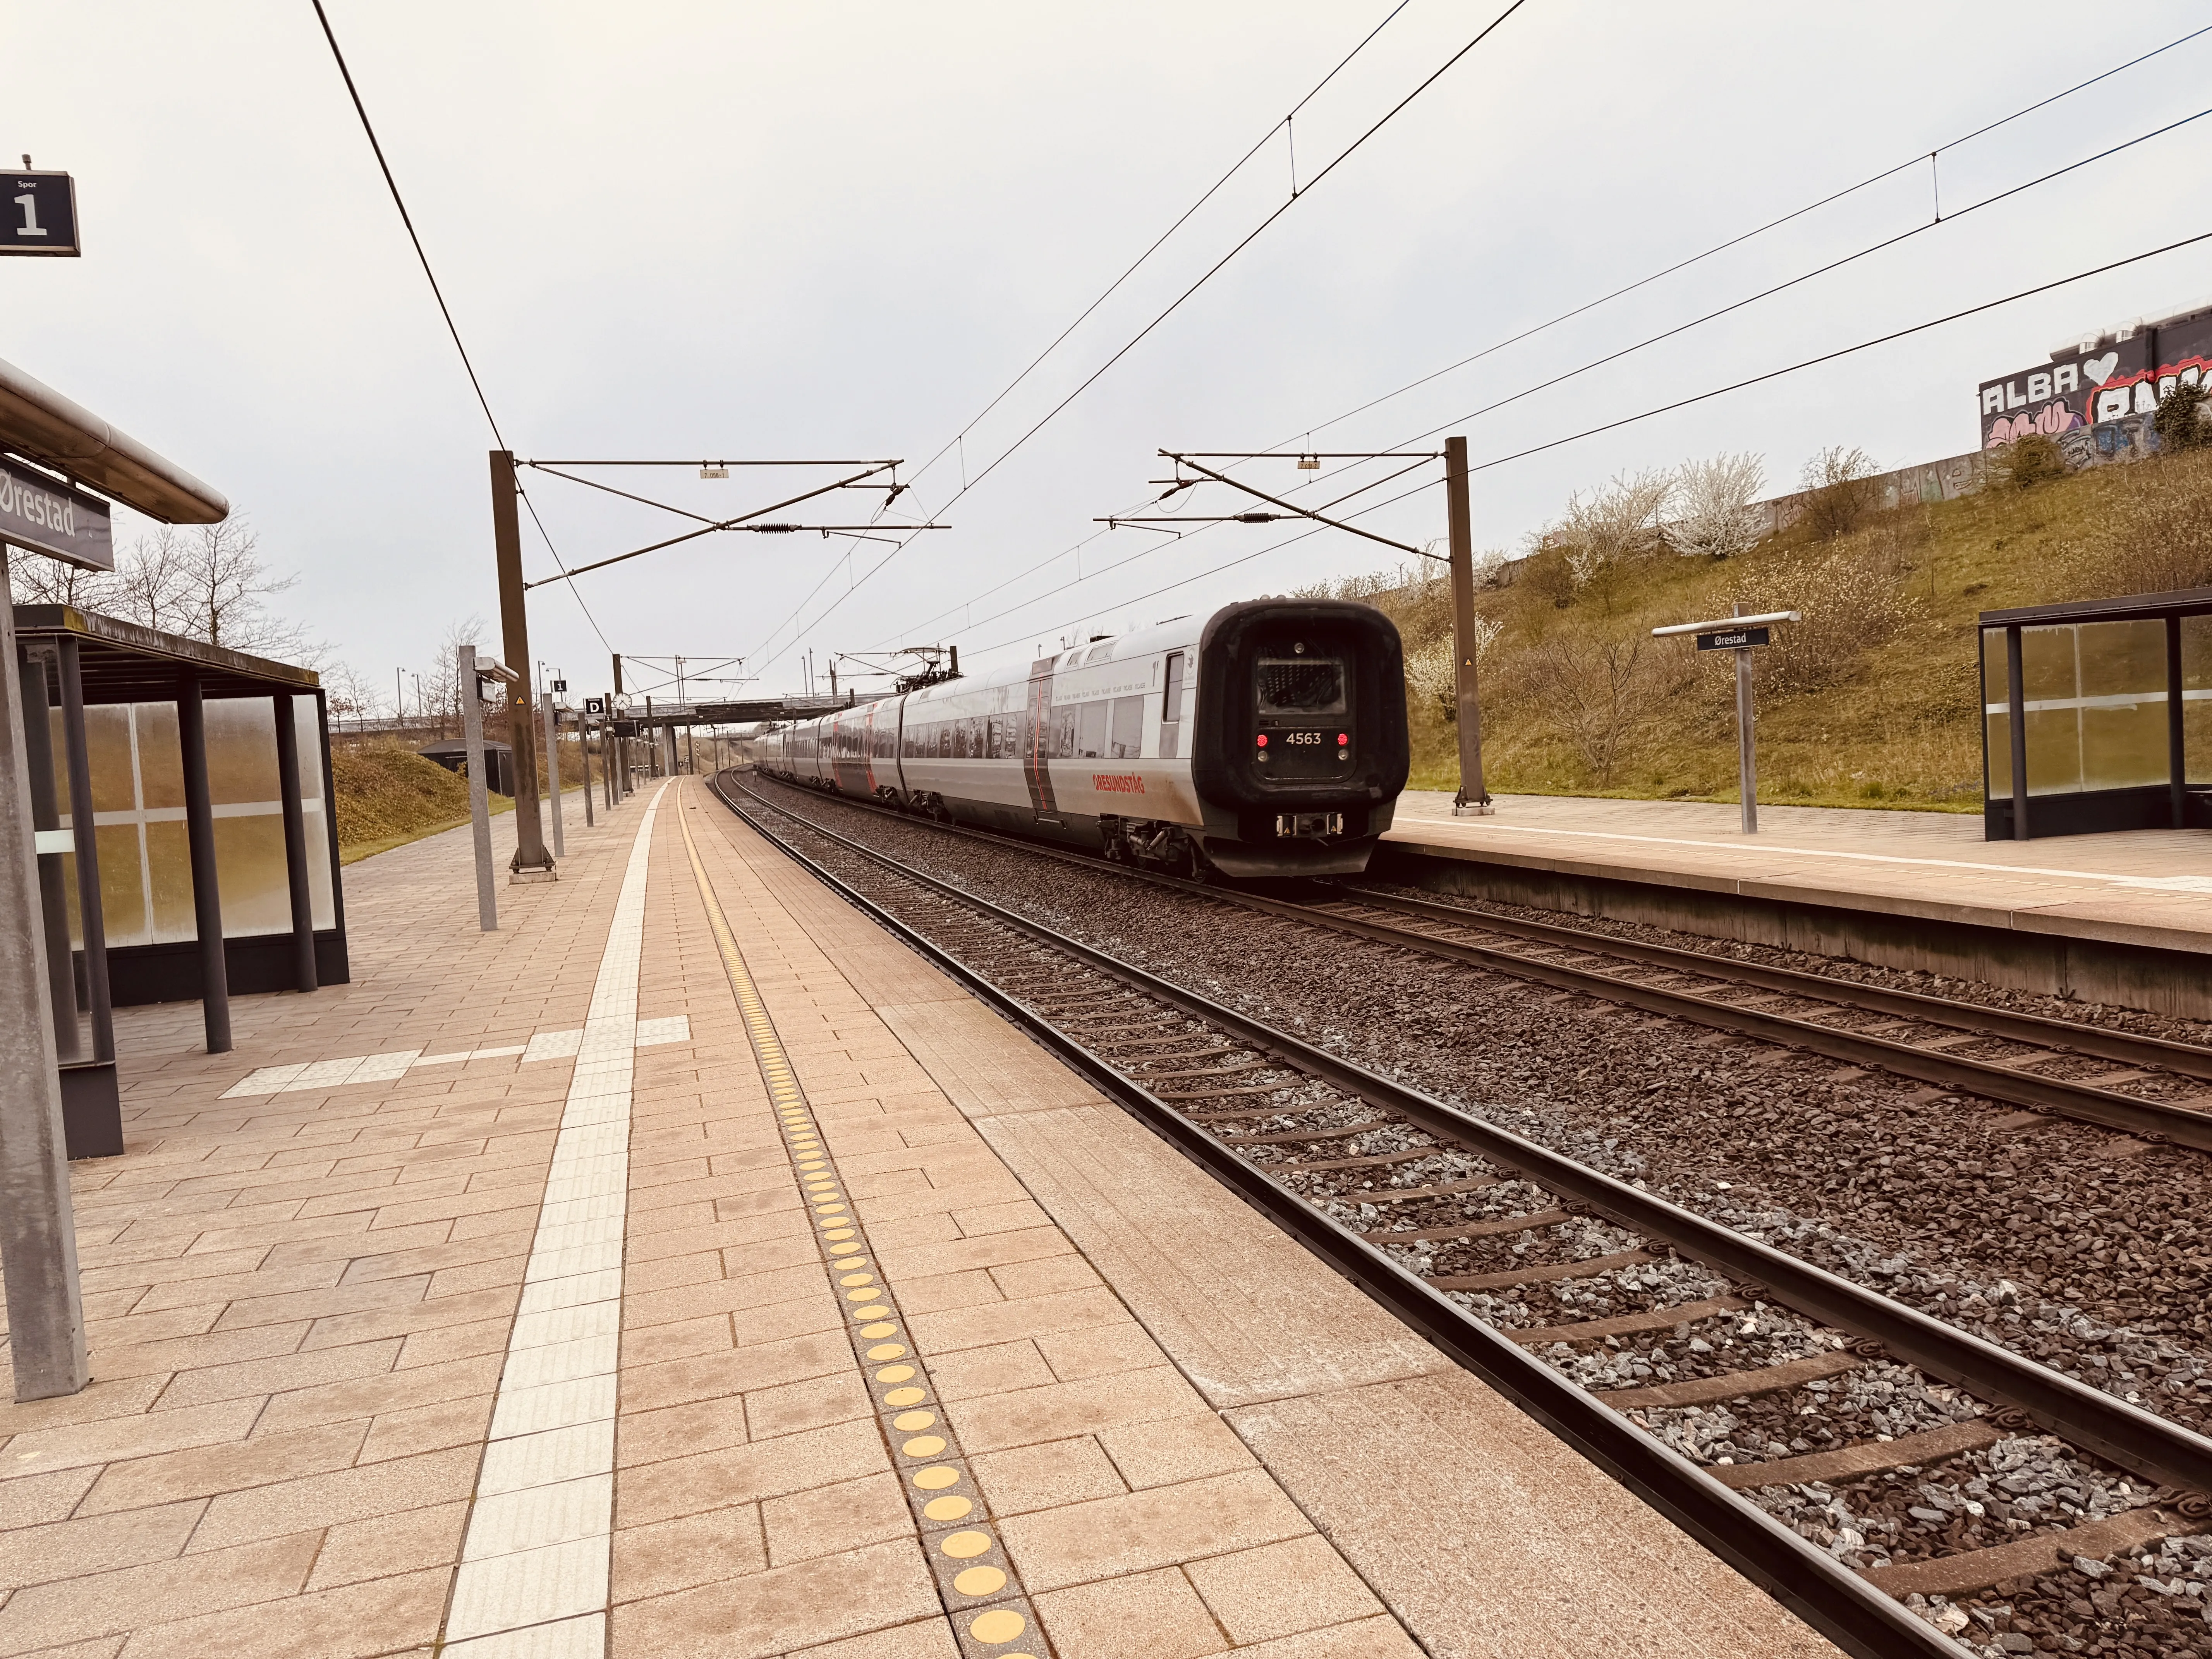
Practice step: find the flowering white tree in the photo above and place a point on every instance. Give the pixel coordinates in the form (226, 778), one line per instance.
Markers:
(1618, 524)
(1714, 498)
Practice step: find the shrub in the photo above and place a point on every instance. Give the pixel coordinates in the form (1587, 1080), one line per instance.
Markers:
(2182, 418)
(2025, 462)
(2158, 539)
(1840, 491)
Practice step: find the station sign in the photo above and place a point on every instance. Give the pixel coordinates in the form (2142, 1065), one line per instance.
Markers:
(560, 685)
(47, 516)
(1735, 639)
(41, 216)
(595, 705)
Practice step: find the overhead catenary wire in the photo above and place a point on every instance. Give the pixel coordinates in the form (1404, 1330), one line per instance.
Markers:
(1737, 241)
(437, 293)
(1888, 242)
(1612, 357)
(1643, 415)
(1175, 304)
(1986, 128)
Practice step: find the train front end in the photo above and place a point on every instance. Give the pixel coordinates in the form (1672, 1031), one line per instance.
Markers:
(1301, 749)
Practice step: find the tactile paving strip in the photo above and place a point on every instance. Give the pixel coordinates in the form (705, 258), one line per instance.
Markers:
(991, 1615)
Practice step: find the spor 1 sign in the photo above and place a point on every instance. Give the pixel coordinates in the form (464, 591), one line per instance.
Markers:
(41, 214)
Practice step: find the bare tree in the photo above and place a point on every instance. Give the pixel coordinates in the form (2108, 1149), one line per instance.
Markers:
(1619, 523)
(33, 579)
(1599, 693)
(1839, 484)
(441, 690)
(1715, 499)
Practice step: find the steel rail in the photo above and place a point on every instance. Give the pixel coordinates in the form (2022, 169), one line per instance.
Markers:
(2146, 1119)
(1830, 1597)
(2131, 1437)
(2128, 1047)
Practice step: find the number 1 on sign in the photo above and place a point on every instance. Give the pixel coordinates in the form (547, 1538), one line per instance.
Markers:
(30, 206)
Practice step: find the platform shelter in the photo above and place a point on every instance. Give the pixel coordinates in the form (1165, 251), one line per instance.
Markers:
(2097, 715)
(181, 796)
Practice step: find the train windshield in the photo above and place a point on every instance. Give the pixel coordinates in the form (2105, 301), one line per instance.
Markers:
(1300, 688)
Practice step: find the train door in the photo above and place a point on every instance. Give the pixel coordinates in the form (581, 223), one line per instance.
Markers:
(1171, 708)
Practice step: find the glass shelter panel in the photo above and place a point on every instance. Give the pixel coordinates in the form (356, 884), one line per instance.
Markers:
(138, 806)
(2094, 700)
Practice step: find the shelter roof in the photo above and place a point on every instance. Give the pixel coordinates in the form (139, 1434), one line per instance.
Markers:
(122, 662)
(2126, 607)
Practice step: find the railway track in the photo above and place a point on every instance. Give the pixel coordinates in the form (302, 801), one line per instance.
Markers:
(2051, 1067)
(1553, 1280)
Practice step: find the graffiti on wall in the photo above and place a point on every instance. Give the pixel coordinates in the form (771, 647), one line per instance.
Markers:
(2117, 382)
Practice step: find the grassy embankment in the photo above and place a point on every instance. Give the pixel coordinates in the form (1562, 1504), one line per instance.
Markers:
(1870, 701)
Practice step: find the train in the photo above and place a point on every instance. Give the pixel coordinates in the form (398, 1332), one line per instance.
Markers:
(1266, 739)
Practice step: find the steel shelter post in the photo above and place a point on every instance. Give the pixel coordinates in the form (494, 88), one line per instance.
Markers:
(199, 841)
(2177, 755)
(46, 822)
(37, 1225)
(1473, 796)
(296, 843)
(532, 860)
(479, 807)
(2016, 729)
(91, 916)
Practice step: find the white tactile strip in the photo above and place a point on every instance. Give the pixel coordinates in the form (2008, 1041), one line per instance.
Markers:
(533, 1583)
(388, 1067)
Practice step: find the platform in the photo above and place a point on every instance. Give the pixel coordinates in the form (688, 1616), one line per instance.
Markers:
(689, 1269)
(2124, 918)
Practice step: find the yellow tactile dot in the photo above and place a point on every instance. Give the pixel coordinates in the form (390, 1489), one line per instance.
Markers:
(894, 1374)
(947, 1509)
(907, 1422)
(905, 1397)
(887, 1351)
(999, 1624)
(926, 1445)
(867, 1293)
(872, 1313)
(982, 1581)
(936, 1479)
(844, 1249)
(840, 1234)
(858, 1278)
(965, 1546)
(831, 1207)
(874, 1331)
(813, 1163)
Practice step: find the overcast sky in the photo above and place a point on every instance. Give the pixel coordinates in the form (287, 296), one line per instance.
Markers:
(837, 231)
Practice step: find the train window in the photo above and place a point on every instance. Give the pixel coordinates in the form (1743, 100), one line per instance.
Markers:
(1300, 688)
(1062, 745)
(1091, 731)
(1126, 740)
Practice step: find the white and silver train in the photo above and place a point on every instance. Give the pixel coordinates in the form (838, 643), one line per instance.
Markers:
(1266, 739)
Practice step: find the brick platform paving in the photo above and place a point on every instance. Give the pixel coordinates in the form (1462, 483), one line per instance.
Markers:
(352, 1352)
